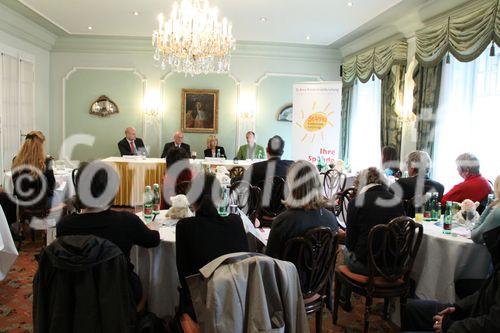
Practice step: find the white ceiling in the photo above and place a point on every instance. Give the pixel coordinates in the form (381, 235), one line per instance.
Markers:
(288, 21)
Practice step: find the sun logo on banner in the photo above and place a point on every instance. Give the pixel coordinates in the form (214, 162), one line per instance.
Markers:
(316, 122)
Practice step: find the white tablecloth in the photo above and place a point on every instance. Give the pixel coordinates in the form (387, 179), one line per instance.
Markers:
(8, 251)
(157, 270)
(443, 259)
(64, 183)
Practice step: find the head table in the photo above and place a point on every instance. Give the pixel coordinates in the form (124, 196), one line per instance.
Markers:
(445, 258)
(136, 172)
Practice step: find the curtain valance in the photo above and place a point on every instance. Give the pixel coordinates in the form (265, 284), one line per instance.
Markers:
(465, 35)
(378, 61)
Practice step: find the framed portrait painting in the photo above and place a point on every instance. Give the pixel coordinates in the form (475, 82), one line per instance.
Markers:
(200, 110)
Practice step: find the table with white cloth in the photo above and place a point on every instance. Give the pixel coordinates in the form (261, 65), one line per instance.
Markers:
(157, 268)
(136, 172)
(8, 251)
(64, 183)
(445, 258)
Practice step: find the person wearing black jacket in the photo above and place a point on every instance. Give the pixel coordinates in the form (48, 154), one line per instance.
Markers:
(205, 237)
(277, 167)
(130, 144)
(81, 285)
(418, 183)
(124, 229)
(32, 173)
(366, 211)
(177, 143)
(479, 312)
(305, 209)
(213, 148)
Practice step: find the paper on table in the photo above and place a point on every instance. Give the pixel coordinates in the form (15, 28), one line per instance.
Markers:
(8, 251)
(260, 234)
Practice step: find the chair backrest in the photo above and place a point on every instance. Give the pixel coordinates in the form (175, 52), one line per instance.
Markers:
(73, 176)
(271, 198)
(334, 181)
(245, 196)
(314, 255)
(236, 173)
(392, 249)
(341, 204)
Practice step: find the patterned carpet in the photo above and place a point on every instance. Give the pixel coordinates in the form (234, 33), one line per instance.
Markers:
(16, 301)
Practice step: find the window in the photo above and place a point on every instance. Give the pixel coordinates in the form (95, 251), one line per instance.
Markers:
(364, 134)
(468, 117)
(16, 105)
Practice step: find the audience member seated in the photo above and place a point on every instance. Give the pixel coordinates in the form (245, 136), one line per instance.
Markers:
(390, 162)
(490, 218)
(251, 150)
(479, 312)
(122, 228)
(374, 204)
(276, 166)
(205, 237)
(418, 165)
(305, 208)
(178, 171)
(32, 173)
(131, 144)
(213, 148)
(177, 143)
(474, 187)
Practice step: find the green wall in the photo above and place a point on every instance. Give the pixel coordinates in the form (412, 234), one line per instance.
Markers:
(172, 94)
(273, 93)
(86, 85)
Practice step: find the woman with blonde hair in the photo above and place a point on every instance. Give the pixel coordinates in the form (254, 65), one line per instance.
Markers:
(213, 148)
(305, 208)
(490, 219)
(32, 173)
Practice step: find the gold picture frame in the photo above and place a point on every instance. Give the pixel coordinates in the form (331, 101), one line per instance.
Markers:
(200, 110)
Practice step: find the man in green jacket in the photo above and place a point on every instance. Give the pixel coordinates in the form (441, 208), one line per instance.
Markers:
(251, 150)
(479, 312)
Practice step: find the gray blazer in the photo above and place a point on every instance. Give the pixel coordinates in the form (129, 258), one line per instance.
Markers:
(248, 293)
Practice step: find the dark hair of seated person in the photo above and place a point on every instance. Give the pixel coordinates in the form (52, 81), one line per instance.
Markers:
(203, 204)
(175, 155)
(97, 185)
(275, 146)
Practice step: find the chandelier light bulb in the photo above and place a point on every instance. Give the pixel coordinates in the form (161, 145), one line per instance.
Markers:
(193, 40)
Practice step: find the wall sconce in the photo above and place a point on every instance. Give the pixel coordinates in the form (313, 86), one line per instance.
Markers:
(152, 105)
(247, 107)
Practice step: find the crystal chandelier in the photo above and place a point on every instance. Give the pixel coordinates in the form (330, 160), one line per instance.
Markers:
(193, 40)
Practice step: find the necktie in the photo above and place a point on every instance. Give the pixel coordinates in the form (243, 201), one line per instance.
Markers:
(132, 147)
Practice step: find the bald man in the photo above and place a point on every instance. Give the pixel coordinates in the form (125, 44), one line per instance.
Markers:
(131, 144)
(178, 142)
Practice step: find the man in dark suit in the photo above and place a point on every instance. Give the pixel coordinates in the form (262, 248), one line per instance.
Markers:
(130, 144)
(418, 183)
(273, 167)
(178, 142)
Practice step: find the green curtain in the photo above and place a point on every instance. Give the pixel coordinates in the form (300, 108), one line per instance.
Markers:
(346, 121)
(392, 102)
(465, 34)
(425, 102)
(377, 61)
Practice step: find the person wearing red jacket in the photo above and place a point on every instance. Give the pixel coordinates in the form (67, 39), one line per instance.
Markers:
(474, 187)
